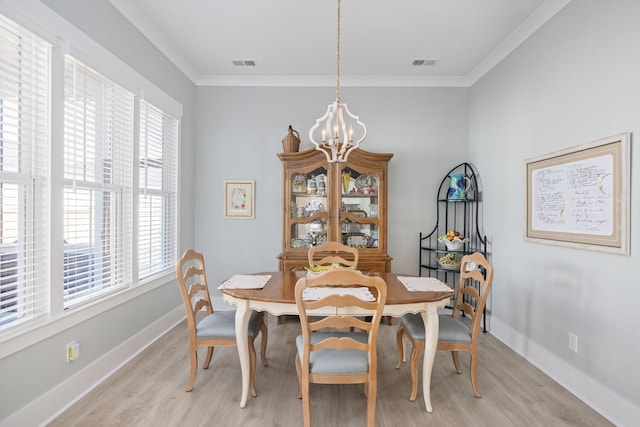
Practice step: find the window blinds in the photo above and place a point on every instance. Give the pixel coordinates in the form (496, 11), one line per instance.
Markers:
(98, 139)
(24, 100)
(158, 191)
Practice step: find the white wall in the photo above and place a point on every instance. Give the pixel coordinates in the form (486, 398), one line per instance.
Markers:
(239, 133)
(574, 81)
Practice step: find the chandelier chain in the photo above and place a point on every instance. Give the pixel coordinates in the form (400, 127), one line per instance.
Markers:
(338, 58)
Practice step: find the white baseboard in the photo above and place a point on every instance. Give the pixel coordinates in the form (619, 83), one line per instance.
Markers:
(603, 400)
(48, 406)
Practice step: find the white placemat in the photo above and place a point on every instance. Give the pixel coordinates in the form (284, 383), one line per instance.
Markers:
(424, 284)
(314, 294)
(245, 281)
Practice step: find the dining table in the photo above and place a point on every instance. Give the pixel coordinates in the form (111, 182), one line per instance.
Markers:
(273, 292)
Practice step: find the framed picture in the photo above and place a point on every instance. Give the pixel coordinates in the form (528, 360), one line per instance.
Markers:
(580, 197)
(239, 199)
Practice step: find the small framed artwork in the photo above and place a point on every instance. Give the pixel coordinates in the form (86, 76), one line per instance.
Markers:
(239, 199)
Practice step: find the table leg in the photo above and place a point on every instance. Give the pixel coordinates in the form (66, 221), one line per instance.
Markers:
(242, 341)
(430, 319)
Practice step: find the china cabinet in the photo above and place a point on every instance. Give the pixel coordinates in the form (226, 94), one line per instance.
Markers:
(344, 202)
(457, 201)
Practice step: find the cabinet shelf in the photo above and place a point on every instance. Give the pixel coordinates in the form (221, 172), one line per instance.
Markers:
(440, 269)
(467, 200)
(359, 195)
(447, 251)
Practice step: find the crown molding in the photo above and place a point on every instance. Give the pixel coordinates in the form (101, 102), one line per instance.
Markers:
(330, 81)
(156, 36)
(532, 24)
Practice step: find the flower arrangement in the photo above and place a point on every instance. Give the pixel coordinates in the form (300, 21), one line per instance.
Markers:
(453, 240)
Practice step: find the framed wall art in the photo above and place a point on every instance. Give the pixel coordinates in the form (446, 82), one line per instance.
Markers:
(239, 199)
(580, 197)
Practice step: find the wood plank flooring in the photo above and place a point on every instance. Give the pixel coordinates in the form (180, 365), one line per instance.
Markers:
(149, 391)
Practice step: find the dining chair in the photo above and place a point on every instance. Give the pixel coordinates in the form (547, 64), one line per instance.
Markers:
(216, 328)
(458, 331)
(333, 253)
(327, 352)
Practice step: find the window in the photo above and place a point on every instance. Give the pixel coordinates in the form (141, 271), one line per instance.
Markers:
(158, 191)
(24, 100)
(104, 178)
(98, 148)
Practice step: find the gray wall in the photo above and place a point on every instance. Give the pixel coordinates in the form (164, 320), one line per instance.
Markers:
(239, 133)
(574, 81)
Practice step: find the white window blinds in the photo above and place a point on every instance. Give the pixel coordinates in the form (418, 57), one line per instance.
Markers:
(24, 100)
(98, 140)
(158, 191)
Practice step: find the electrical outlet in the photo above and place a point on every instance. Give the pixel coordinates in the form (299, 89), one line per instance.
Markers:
(73, 351)
(573, 342)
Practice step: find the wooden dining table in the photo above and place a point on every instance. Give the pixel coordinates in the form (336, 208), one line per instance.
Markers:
(277, 298)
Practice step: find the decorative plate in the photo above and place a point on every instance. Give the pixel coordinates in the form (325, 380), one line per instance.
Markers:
(367, 183)
(449, 262)
(299, 183)
(358, 212)
(356, 240)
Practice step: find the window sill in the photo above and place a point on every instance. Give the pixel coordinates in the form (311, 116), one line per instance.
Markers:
(16, 339)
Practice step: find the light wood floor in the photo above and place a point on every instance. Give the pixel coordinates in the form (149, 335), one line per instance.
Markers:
(149, 391)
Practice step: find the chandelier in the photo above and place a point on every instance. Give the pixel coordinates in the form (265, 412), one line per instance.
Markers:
(336, 141)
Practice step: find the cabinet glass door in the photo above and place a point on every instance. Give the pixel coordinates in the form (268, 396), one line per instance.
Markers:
(309, 208)
(359, 208)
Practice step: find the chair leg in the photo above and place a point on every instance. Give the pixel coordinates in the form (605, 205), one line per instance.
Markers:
(474, 373)
(456, 361)
(303, 393)
(399, 340)
(252, 368)
(371, 404)
(207, 360)
(194, 367)
(418, 348)
(299, 373)
(263, 345)
(306, 404)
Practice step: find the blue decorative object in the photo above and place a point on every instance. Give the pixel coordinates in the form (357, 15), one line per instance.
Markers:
(459, 185)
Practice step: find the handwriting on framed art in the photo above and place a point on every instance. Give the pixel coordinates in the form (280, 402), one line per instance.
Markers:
(239, 199)
(580, 196)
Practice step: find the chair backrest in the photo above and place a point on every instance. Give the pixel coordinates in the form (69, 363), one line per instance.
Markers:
(476, 277)
(334, 282)
(333, 253)
(192, 280)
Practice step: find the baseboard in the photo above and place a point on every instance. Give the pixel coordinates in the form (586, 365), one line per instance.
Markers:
(48, 406)
(603, 400)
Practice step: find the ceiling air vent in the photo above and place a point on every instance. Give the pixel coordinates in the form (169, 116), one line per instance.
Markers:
(425, 62)
(244, 62)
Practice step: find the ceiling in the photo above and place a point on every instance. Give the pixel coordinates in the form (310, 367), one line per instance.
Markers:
(294, 42)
